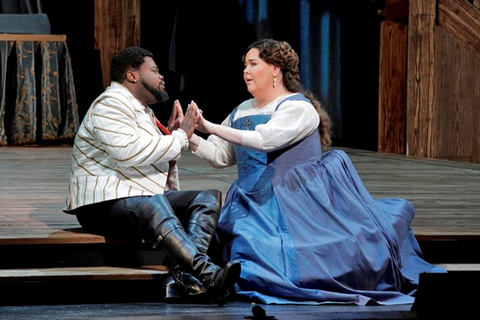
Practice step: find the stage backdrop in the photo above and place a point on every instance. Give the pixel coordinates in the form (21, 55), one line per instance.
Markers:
(198, 46)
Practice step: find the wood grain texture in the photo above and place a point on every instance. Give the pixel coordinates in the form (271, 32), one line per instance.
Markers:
(392, 88)
(34, 183)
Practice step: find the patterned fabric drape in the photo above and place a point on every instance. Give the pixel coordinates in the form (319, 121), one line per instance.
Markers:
(37, 93)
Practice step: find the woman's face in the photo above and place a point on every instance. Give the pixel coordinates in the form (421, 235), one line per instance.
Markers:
(258, 75)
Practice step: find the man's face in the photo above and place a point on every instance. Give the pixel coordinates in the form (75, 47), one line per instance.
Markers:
(153, 81)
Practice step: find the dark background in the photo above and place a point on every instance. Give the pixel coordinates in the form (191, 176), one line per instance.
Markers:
(210, 43)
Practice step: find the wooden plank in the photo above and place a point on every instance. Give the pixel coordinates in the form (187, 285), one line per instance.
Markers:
(451, 267)
(456, 135)
(422, 7)
(34, 180)
(461, 19)
(83, 274)
(420, 77)
(32, 235)
(392, 88)
(444, 193)
(443, 86)
(32, 37)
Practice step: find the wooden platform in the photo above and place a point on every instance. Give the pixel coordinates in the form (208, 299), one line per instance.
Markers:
(40, 243)
(34, 181)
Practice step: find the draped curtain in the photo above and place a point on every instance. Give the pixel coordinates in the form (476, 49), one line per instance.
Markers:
(20, 6)
(313, 29)
(337, 42)
(117, 25)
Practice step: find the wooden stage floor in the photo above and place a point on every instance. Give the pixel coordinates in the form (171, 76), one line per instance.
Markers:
(34, 181)
(446, 194)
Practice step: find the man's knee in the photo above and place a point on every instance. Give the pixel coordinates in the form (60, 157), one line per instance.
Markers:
(157, 219)
(211, 198)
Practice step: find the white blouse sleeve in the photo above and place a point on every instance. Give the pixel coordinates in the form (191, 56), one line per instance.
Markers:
(292, 122)
(216, 151)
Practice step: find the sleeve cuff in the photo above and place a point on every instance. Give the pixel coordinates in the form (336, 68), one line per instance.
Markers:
(182, 136)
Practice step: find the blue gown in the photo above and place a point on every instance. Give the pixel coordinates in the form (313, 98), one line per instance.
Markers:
(307, 231)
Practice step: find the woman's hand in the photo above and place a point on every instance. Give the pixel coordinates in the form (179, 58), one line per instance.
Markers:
(202, 124)
(227, 133)
(190, 119)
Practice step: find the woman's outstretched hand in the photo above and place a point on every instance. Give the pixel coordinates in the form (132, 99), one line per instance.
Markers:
(202, 124)
(189, 121)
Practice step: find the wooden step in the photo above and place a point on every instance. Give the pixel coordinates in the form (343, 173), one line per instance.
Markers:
(96, 273)
(149, 272)
(32, 234)
(80, 285)
(453, 267)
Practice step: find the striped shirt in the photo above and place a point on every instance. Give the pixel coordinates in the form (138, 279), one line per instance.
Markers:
(119, 152)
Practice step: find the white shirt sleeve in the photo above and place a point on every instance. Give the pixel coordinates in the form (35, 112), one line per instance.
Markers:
(124, 129)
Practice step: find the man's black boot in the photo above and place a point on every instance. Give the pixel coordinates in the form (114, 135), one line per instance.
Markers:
(183, 251)
(200, 227)
(223, 281)
(182, 286)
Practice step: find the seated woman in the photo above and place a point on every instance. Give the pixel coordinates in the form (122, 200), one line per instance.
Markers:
(300, 221)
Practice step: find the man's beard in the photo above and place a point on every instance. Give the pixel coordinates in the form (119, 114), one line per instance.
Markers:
(160, 95)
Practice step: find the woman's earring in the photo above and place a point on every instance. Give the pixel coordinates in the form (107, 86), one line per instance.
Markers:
(274, 80)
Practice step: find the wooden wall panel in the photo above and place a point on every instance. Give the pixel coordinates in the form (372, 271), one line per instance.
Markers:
(420, 78)
(392, 88)
(460, 18)
(443, 86)
(456, 132)
(422, 7)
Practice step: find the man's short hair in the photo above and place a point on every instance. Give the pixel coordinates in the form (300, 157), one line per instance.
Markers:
(127, 59)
